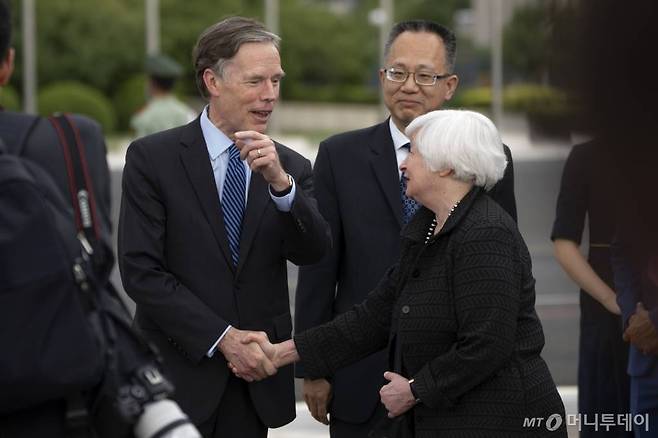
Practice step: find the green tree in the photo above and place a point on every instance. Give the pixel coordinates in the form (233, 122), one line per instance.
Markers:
(526, 43)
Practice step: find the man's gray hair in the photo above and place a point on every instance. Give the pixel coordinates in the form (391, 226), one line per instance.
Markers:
(464, 141)
(219, 43)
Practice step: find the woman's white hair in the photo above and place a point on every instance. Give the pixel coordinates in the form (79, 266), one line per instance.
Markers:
(464, 141)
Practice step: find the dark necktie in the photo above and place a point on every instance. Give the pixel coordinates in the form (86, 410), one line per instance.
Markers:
(233, 195)
(409, 206)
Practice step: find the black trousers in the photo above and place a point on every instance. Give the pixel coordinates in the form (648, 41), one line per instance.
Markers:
(236, 415)
(342, 429)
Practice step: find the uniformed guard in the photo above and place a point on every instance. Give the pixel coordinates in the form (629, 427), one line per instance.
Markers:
(163, 110)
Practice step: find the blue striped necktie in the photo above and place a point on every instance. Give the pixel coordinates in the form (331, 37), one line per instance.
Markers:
(233, 195)
(409, 205)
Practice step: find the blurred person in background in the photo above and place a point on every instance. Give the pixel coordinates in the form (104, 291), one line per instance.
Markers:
(163, 110)
(622, 115)
(210, 214)
(457, 311)
(361, 192)
(35, 139)
(636, 278)
(603, 384)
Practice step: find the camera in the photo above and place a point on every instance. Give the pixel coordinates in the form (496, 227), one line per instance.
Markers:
(133, 397)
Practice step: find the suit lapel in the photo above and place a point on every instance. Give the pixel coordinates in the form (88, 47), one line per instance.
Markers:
(257, 200)
(196, 163)
(384, 165)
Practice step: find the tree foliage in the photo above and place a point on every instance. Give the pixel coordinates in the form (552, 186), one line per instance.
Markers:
(326, 55)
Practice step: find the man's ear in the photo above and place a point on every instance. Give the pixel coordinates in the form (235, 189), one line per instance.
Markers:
(212, 82)
(451, 83)
(7, 67)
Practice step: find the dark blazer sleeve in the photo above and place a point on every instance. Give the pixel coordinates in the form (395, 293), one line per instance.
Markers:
(316, 287)
(487, 288)
(503, 191)
(306, 233)
(177, 311)
(352, 335)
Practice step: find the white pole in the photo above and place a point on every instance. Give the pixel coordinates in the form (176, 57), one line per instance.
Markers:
(385, 27)
(272, 24)
(29, 57)
(497, 62)
(152, 14)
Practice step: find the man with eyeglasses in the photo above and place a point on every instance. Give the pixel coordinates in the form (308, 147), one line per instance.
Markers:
(360, 192)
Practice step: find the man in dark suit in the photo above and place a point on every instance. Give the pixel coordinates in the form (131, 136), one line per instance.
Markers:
(210, 213)
(360, 192)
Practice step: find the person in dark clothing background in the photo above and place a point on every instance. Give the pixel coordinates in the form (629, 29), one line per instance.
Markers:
(603, 384)
(34, 138)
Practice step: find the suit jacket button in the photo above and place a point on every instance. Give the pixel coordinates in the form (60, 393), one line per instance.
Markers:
(416, 273)
(405, 309)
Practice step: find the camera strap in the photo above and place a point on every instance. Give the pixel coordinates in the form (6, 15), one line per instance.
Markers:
(80, 181)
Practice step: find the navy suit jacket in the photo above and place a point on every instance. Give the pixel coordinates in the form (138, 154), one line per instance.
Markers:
(176, 264)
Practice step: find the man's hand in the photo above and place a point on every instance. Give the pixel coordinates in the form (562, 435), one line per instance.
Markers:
(317, 394)
(641, 331)
(259, 151)
(396, 395)
(246, 359)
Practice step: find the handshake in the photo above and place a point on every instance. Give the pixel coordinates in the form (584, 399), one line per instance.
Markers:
(252, 357)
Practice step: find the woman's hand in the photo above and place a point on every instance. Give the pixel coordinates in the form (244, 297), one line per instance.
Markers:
(396, 395)
(279, 355)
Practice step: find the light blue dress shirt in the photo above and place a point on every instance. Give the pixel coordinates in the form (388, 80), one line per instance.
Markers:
(218, 144)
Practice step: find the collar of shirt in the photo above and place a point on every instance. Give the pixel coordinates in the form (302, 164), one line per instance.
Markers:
(399, 140)
(216, 141)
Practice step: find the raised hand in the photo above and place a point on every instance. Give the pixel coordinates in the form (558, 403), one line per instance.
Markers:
(396, 395)
(317, 394)
(261, 155)
(246, 359)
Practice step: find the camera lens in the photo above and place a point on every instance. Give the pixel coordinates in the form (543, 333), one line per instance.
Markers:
(164, 419)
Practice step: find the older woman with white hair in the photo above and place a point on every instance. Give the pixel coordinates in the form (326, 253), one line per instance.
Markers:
(457, 311)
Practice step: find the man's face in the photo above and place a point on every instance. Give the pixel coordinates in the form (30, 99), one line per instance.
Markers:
(243, 99)
(416, 52)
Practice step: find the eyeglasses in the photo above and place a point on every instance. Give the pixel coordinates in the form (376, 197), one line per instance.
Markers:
(421, 77)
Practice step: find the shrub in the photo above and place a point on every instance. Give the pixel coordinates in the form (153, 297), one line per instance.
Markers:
(78, 98)
(532, 98)
(475, 98)
(9, 99)
(523, 98)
